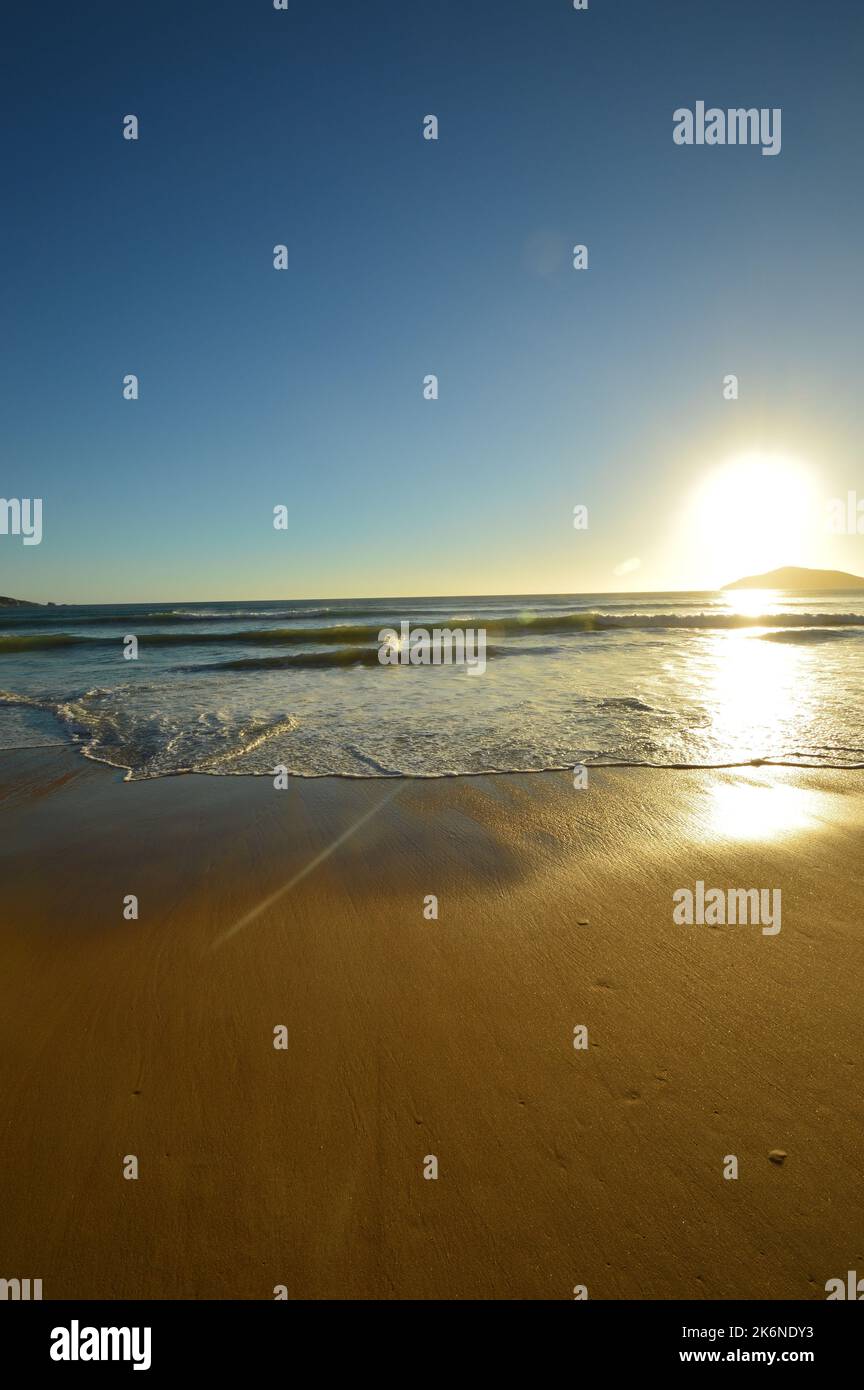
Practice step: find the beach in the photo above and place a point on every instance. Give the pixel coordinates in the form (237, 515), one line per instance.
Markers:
(408, 1036)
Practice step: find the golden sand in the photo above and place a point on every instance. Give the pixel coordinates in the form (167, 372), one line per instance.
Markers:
(409, 1037)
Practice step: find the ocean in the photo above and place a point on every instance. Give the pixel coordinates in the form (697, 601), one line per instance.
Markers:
(679, 679)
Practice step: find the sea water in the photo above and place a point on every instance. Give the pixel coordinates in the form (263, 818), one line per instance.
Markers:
(694, 679)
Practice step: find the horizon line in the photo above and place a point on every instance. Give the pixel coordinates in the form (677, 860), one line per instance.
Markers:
(406, 598)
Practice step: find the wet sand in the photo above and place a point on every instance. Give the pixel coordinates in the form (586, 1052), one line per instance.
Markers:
(409, 1037)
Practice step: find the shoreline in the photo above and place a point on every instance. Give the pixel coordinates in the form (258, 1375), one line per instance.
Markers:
(750, 763)
(409, 1037)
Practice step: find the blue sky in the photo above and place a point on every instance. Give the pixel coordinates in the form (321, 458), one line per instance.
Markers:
(408, 257)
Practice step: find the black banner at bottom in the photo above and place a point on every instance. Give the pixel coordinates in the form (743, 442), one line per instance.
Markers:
(156, 1338)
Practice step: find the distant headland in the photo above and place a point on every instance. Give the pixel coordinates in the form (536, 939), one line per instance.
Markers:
(22, 603)
(794, 577)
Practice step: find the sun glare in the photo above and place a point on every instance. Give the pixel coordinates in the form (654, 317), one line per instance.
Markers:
(753, 514)
(752, 603)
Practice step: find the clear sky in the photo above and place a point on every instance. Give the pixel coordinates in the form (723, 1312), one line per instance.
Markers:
(406, 257)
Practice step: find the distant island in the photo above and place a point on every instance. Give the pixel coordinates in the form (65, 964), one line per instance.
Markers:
(794, 577)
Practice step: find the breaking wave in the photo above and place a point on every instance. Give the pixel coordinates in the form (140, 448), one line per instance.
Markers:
(359, 634)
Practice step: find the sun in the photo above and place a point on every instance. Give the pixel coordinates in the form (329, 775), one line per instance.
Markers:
(754, 513)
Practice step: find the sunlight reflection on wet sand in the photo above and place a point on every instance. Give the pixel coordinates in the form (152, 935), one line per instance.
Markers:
(742, 810)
